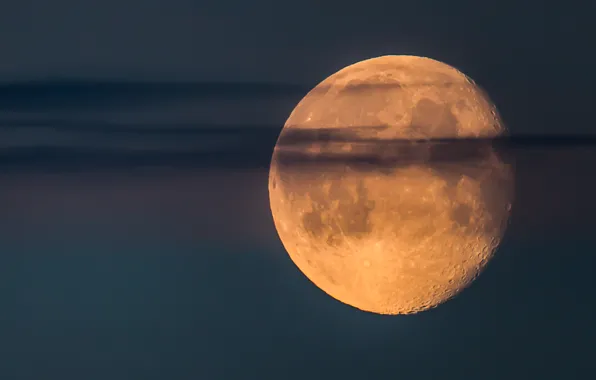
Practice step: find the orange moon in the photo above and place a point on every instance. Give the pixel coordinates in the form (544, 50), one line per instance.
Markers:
(396, 238)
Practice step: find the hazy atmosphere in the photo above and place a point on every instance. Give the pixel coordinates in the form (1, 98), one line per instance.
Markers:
(136, 233)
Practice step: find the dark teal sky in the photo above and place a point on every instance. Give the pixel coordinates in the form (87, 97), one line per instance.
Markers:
(280, 41)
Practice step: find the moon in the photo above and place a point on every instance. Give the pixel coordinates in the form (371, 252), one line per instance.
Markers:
(395, 202)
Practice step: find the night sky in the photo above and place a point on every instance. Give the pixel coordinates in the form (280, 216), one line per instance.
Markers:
(136, 240)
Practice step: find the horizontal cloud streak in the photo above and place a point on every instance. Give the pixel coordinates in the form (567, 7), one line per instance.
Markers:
(45, 94)
(57, 142)
(62, 94)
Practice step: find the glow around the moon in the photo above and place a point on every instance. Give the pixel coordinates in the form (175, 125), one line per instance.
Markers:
(369, 214)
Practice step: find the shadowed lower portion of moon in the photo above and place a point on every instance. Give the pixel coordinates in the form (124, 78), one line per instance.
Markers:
(403, 237)
(392, 243)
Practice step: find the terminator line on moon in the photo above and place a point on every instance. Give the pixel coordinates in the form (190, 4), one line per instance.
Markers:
(398, 239)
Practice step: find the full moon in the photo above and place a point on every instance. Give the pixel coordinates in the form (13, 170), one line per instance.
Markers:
(395, 203)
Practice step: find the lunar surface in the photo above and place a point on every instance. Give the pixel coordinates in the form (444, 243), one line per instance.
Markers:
(382, 186)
